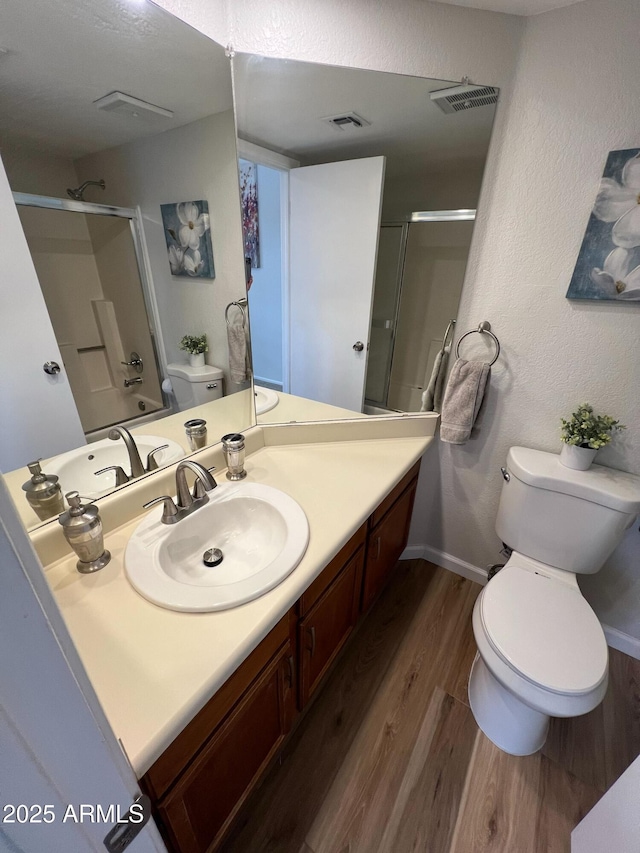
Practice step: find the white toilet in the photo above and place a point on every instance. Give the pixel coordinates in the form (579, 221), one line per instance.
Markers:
(194, 386)
(541, 649)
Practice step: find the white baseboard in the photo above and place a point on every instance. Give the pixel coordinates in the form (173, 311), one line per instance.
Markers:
(616, 639)
(622, 642)
(447, 561)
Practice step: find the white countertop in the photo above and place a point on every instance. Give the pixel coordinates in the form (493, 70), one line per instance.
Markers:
(154, 669)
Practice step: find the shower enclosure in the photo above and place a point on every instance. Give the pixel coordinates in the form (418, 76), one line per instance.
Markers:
(89, 262)
(419, 276)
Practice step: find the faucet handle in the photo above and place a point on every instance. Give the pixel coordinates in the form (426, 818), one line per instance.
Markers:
(121, 477)
(170, 511)
(152, 464)
(200, 487)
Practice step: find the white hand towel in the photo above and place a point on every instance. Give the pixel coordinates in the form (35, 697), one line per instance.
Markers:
(237, 340)
(462, 399)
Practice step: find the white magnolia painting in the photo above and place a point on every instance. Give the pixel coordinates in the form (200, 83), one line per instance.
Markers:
(608, 266)
(187, 231)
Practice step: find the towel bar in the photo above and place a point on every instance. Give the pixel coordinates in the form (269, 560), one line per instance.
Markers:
(483, 328)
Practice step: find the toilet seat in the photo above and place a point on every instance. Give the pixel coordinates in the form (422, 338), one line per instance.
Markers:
(544, 631)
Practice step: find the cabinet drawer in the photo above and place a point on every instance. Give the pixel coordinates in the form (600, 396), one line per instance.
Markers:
(386, 541)
(325, 628)
(202, 804)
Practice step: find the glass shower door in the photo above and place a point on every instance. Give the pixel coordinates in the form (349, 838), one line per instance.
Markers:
(386, 297)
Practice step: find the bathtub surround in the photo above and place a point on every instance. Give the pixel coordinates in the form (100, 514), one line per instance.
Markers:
(564, 104)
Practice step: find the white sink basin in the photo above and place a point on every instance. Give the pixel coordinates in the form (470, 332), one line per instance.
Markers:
(77, 468)
(262, 533)
(266, 399)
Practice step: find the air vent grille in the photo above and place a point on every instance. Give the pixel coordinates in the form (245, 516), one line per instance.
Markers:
(347, 121)
(460, 98)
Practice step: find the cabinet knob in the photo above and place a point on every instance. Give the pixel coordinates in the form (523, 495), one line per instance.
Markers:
(51, 367)
(358, 346)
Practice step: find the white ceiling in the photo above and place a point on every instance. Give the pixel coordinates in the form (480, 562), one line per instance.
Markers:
(63, 55)
(513, 7)
(280, 105)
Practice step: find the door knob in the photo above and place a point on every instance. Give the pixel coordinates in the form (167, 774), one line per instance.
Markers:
(358, 346)
(51, 367)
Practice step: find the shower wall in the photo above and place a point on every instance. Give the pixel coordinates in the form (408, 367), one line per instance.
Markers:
(435, 263)
(89, 317)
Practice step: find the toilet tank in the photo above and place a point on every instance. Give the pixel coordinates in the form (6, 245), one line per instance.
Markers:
(572, 520)
(194, 386)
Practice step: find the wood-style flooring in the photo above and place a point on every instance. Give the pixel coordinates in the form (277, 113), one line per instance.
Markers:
(389, 758)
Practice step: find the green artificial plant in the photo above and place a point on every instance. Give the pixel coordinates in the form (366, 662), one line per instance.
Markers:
(194, 344)
(585, 429)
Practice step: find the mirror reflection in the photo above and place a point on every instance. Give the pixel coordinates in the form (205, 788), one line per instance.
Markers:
(362, 187)
(123, 247)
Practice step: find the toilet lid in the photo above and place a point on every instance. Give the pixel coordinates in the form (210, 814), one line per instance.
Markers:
(544, 630)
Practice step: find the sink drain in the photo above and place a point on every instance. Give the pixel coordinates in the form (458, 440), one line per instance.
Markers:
(212, 557)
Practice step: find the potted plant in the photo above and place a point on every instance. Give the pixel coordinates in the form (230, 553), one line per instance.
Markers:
(196, 346)
(583, 434)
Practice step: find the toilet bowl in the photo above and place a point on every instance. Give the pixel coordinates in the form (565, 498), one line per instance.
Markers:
(542, 652)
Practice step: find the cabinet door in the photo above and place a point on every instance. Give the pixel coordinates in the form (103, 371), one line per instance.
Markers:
(325, 628)
(386, 541)
(197, 812)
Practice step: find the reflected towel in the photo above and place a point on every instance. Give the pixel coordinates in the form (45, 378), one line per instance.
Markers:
(462, 399)
(432, 396)
(237, 340)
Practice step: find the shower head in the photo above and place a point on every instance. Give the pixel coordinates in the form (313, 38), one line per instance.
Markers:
(78, 194)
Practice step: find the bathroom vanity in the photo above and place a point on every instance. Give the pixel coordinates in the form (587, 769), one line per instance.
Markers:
(228, 745)
(203, 702)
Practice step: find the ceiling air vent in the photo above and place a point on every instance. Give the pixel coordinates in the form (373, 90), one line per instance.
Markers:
(118, 102)
(347, 121)
(459, 98)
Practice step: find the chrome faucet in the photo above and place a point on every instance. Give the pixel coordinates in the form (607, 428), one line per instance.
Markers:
(187, 502)
(137, 468)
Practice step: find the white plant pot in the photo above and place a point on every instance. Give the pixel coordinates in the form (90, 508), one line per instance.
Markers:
(196, 359)
(578, 458)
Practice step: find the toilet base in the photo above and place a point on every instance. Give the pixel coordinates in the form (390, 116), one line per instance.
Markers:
(513, 726)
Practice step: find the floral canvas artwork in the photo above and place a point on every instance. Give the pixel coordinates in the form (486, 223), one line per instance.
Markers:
(249, 201)
(188, 234)
(608, 266)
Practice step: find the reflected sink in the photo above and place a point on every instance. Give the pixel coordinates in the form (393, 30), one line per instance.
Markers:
(262, 533)
(77, 468)
(266, 399)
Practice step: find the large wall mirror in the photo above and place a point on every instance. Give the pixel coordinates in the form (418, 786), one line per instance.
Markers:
(360, 192)
(117, 136)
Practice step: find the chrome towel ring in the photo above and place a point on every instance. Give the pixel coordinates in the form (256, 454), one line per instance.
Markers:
(483, 328)
(241, 304)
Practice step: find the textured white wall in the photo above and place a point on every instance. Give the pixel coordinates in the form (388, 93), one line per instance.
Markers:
(574, 98)
(570, 91)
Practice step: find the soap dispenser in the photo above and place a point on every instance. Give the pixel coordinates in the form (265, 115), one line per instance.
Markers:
(43, 492)
(82, 528)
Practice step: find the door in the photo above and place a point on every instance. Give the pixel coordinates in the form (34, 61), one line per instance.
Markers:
(57, 749)
(30, 397)
(334, 227)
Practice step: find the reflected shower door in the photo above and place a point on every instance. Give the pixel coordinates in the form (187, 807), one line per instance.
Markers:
(386, 297)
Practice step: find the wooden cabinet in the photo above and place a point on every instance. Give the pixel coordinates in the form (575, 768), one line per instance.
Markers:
(197, 811)
(324, 629)
(202, 779)
(386, 541)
